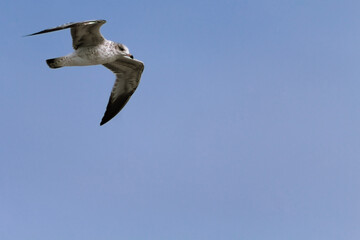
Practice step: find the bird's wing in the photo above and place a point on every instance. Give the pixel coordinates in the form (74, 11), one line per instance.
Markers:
(84, 34)
(128, 72)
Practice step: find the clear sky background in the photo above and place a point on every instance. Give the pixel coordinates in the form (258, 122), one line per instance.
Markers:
(246, 123)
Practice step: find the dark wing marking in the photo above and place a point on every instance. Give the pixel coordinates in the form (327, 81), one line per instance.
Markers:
(87, 34)
(84, 34)
(61, 27)
(128, 72)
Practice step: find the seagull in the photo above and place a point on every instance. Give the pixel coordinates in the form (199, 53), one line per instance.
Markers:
(91, 48)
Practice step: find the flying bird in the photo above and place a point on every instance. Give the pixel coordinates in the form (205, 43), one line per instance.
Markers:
(91, 48)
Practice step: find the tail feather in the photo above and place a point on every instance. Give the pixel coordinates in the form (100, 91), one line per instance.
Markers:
(54, 62)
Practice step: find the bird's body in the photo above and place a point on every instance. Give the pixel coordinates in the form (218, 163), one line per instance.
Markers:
(92, 55)
(91, 48)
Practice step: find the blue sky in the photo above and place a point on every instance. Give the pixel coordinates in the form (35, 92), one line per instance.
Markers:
(245, 124)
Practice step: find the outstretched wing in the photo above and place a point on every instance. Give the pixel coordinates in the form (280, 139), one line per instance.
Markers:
(128, 72)
(84, 34)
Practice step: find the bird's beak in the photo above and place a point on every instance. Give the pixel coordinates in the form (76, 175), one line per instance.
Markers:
(130, 56)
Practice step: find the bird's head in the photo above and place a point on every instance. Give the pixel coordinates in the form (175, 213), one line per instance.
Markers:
(124, 51)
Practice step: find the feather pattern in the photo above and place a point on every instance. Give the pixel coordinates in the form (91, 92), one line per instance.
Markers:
(128, 73)
(84, 34)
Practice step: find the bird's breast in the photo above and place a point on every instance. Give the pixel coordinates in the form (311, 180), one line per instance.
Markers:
(99, 54)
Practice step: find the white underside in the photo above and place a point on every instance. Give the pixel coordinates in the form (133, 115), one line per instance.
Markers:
(101, 54)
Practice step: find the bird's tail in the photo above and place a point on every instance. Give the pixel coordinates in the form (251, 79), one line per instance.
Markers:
(55, 62)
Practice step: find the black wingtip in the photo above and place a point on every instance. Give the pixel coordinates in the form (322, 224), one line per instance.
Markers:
(33, 34)
(28, 35)
(105, 120)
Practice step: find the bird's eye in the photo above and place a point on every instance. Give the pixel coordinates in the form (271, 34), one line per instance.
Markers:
(121, 48)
